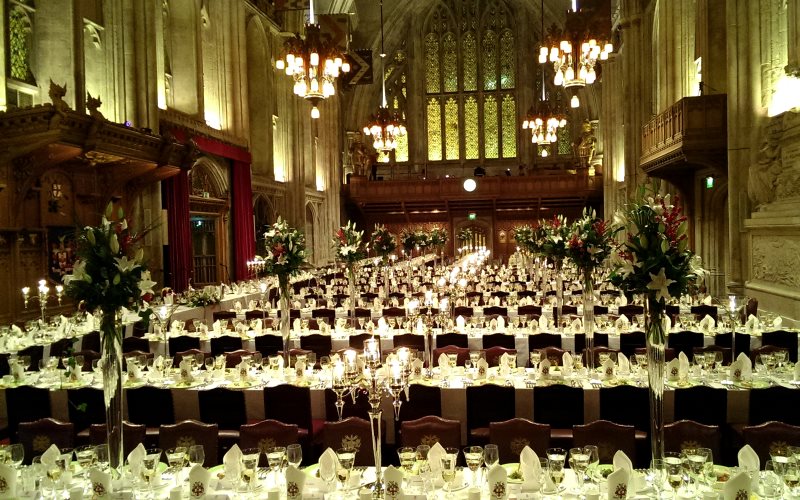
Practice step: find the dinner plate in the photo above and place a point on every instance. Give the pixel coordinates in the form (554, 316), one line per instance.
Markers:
(681, 384)
(752, 384)
(514, 473)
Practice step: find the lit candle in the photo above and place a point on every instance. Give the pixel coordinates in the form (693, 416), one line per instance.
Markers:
(26, 291)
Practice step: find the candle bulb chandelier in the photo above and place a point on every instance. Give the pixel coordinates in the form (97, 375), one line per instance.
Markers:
(543, 120)
(576, 52)
(313, 63)
(386, 125)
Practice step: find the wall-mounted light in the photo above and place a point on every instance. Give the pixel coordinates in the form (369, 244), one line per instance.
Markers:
(470, 185)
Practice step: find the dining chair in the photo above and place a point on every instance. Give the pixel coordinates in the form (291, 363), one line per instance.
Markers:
(328, 314)
(25, 404)
(726, 340)
(529, 310)
(542, 340)
(600, 340)
(291, 404)
(628, 405)
(630, 311)
(685, 342)
(701, 310)
(690, 434)
(452, 339)
(357, 341)
(410, 340)
(91, 341)
(135, 344)
(495, 310)
(784, 339)
(224, 318)
(594, 353)
(225, 407)
(36, 353)
(494, 354)
(232, 359)
(85, 407)
(512, 435)
(430, 430)
(61, 348)
(487, 403)
(465, 311)
(190, 433)
(182, 343)
(267, 434)
(353, 433)
(770, 437)
(462, 354)
(189, 352)
(269, 345)
(561, 407)
(319, 344)
(225, 343)
(422, 400)
(553, 354)
(150, 406)
(261, 314)
(132, 435)
(88, 356)
(774, 403)
(727, 356)
(629, 342)
(134, 354)
(393, 312)
(498, 340)
(37, 436)
(704, 405)
(608, 437)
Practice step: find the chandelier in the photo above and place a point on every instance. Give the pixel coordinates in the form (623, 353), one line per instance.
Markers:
(313, 63)
(386, 125)
(576, 51)
(543, 120)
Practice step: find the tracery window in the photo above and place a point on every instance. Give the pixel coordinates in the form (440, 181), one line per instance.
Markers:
(20, 41)
(470, 81)
(396, 95)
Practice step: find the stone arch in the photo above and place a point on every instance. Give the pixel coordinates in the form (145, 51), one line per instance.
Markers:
(214, 175)
(260, 89)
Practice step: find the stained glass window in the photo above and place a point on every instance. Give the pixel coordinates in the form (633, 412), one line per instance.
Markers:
(451, 128)
(470, 52)
(434, 129)
(471, 131)
(19, 40)
(490, 132)
(432, 77)
(509, 119)
(564, 140)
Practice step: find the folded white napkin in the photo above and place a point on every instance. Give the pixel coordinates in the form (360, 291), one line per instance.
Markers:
(752, 326)
(135, 458)
(608, 368)
(217, 327)
(621, 325)
(258, 327)
(673, 370)
(17, 371)
(737, 487)
(543, 323)
(618, 484)
(328, 464)
(777, 322)
(50, 455)
(621, 300)
(707, 300)
(395, 302)
(296, 325)
(742, 368)
(623, 364)
(232, 463)
(134, 372)
(444, 361)
(707, 324)
(544, 368)
(748, 459)
(295, 481)
(683, 365)
(243, 369)
(8, 482)
(383, 325)
(576, 326)
(501, 324)
(482, 367)
(186, 370)
(460, 322)
(435, 455)
(567, 364)
(203, 329)
(497, 479)
(199, 478)
(667, 323)
(531, 469)
(174, 325)
(393, 483)
(416, 367)
(493, 325)
(376, 303)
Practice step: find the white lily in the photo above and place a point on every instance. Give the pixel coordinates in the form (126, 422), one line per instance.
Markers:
(660, 284)
(146, 284)
(125, 265)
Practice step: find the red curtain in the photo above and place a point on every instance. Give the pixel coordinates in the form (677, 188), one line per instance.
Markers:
(244, 235)
(176, 197)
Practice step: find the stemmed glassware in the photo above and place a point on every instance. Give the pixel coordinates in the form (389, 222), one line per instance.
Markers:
(408, 457)
(579, 461)
(275, 457)
(150, 468)
(555, 467)
(176, 459)
(674, 470)
(448, 463)
(347, 458)
(474, 458)
(197, 455)
(294, 454)
(657, 475)
(249, 467)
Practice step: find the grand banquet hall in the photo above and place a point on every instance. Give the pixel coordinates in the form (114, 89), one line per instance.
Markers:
(388, 249)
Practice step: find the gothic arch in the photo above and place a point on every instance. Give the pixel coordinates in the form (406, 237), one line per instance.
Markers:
(216, 174)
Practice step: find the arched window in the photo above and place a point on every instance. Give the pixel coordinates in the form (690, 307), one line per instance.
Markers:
(396, 95)
(470, 81)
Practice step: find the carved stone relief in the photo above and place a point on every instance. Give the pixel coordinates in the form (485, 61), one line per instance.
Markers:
(775, 260)
(775, 176)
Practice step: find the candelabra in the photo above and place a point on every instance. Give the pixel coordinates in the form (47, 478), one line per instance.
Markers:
(162, 316)
(43, 296)
(366, 373)
(262, 288)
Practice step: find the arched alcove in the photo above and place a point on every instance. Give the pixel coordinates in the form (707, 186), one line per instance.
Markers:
(209, 205)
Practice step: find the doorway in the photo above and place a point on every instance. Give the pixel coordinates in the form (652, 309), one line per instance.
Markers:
(204, 248)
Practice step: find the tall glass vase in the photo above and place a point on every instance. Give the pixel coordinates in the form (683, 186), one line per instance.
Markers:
(559, 293)
(656, 343)
(111, 330)
(351, 285)
(285, 320)
(588, 317)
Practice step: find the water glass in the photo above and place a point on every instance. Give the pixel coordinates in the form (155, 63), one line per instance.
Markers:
(347, 458)
(249, 467)
(474, 458)
(294, 454)
(408, 457)
(491, 455)
(197, 455)
(448, 465)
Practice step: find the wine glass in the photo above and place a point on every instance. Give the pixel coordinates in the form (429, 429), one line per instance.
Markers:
(658, 475)
(150, 467)
(209, 363)
(176, 458)
(275, 458)
(249, 467)
(491, 455)
(197, 455)
(473, 455)
(555, 466)
(579, 461)
(16, 453)
(294, 454)
(674, 470)
(448, 463)
(101, 452)
(408, 457)
(347, 458)
(85, 456)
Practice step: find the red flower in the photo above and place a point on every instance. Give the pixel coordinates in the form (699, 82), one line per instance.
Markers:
(148, 297)
(341, 236)
(278, 250)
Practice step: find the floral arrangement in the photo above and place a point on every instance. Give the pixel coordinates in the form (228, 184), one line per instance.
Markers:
(437, 237)
(655, 259)
(525, 238)
(109, 272)
(285, 251)
(464, 235)
(554, 233)
(208, 296)
(423, 239)
(382, 242)
(592, 241)
(349, 244)
(409, 240)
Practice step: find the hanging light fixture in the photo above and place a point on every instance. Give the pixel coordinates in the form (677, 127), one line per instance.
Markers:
(386, 125)
(543, 120)
(313, 63)
(576, 51)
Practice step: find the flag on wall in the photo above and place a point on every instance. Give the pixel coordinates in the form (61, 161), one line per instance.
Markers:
(360, 67)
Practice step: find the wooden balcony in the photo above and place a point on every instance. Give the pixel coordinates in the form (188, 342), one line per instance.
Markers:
(692, 134)
(538, 195)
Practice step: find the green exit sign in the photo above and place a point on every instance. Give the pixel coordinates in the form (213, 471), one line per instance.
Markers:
(471, 216)
(709, 182)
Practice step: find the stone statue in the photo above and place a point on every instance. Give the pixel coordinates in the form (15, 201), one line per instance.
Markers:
(361, 157)
(93, 105)
(762, 181)
(57, 93)
(587, 144)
